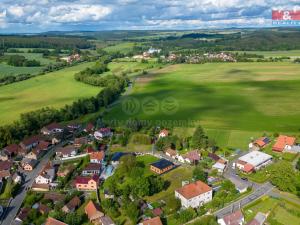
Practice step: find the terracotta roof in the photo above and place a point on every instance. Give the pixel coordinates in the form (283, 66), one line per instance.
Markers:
(53, 126)
(13, 148)
(23, 213)
(73, 203)
(153, 221)
(241, 162)
(5, 165)
(54, 196)
(248, 168)
(193, 155)
(97, 155)
(43, 145)
(85, 180)
(93, 210)
(80, 141)
(66, 150)
(30, 140)
(171, 152)
(234, 218)
(4, 174)
(261, 142)
(52, 221)
(193, 189)
(93, 166)
(213, 156)
(282, 141)
(89, 149)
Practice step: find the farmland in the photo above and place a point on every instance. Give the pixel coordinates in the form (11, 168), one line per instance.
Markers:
(227, 99)
(54, 89)
(290, 53)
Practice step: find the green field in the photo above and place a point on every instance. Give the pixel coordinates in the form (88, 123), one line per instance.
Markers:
(123, 47)
(290, 53)
(6, 70)
(233, 101)
(54, 89)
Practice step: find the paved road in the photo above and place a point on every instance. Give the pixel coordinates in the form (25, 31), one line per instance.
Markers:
(264, 189)
(16, 203)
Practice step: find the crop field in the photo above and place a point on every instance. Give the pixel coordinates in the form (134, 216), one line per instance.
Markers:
(55, 89)
(227, 99)
(6, 70)
(290, 53)
(123, 47)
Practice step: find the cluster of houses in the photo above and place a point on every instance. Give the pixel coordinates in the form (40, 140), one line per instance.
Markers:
(147, 54)
(237, 218)
(71, 58)
(225, 57)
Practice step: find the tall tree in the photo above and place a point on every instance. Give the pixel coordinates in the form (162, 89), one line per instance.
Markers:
(199, 139)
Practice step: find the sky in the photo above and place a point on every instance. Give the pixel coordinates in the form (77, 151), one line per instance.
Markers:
(31, 16)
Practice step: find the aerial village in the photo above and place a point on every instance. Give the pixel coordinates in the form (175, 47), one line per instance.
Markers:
(64, 169)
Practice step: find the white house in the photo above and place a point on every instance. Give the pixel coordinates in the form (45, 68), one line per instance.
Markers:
(220, 167)
(194, 194)
(46, 177)
(102, 133)
(52, 128)
(66, 152)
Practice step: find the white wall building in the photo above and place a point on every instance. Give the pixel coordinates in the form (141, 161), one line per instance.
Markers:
(253, 161)
(194, 194)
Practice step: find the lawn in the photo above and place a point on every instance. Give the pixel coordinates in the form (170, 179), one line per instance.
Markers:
(175, 177)
(232, 101)
(281, 211)
(55, 89)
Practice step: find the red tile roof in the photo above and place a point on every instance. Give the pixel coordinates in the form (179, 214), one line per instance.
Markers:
(97, 155)
(89, 149)
(153, 221)
(53, 126)
(5, 165)
(282, 141)
(193, 155)
(85, 180)
(193, 189)
(31, 140)
(248, 168)
(89, 127)
(13, 148)
(93, 166)
(52, 221)
(92, 210)
(233, 218)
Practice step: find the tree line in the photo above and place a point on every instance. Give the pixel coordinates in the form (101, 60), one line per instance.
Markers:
(31, 122)
(42, 41)
(19, 61)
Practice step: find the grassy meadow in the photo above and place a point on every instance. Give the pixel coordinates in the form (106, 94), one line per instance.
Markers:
(290, 53)
(55, 89)
(233, 101)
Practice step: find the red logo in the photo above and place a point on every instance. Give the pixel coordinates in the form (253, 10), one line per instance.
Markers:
(285, 14)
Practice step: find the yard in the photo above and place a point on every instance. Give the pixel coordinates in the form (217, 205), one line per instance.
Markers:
(281, 211)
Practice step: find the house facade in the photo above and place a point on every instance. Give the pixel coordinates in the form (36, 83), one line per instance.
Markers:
(97, 157)
(102, 133)
(194, 194)
(161, 166)
(87, 183)
(92, 169)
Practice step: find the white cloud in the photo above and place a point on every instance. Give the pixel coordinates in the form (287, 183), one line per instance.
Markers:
(77, 13)
(3, 19)
(16, 11)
